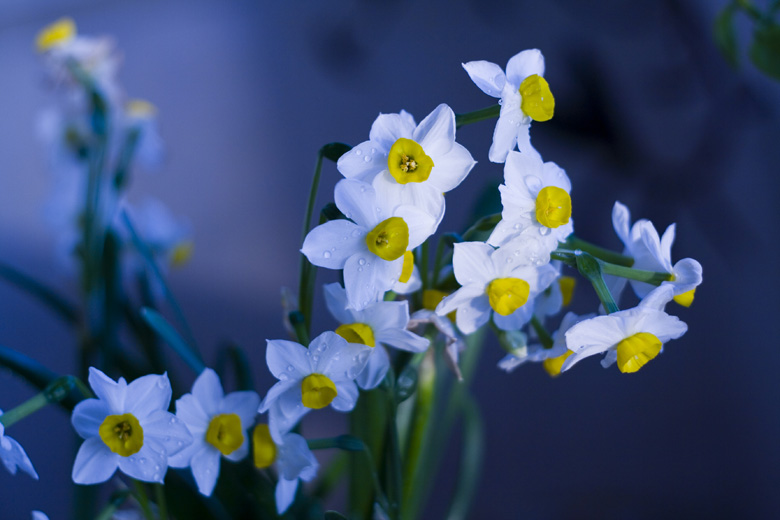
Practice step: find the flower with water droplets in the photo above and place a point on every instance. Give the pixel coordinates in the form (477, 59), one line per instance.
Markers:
(631, 337)
(126, 427)
(311, 378)
(292, 458)
(373, 247)
(13, 455)
(653, 253)
(524, 97)
(494, 281)
(378, 325)
(536, 206)
(218, 425)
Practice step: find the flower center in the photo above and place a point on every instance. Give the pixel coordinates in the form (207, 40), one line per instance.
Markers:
(61, 31)
(553, 365)
(357, 333)
(432, 298)
(553, 207)
(538, 102)
(122, 434)
(685, 299)
(181, 253)
(317, 391)
(506, 295)
(408, 268)
(389, 239)
(263, 446)
(635, 351)
(408, 162)
(225, 433)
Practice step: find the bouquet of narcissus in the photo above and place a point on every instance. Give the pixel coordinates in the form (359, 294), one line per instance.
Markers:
(407, 314)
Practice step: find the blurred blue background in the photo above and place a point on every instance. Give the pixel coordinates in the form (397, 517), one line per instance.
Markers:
(647, 112)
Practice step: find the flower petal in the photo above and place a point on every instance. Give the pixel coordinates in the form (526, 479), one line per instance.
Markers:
(113, 393)
(87, 417)
(451, 168)
(436, 133)
(276, 392)
(363, 162)
(375, 370)
(149, 464)
(489, 77)
(337, 359)
(505, 135)
(148, 394)
(621, 221)
(287, 360)
(207, 389)
(330, 244)
(244, 404)
(524, 64)
(357, 201)
(205, 469)
(360, 280)
(336, 302)
(285, 494)
(388, 128)
(386, 315)
(474, 314)
(170, 431)
(347, 396)
(472, 264)
(94, 462)
(403, 339)
(295, 459)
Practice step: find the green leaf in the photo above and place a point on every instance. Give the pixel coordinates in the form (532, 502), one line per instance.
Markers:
(765, 50)
(406, 384)
(47, 296)
(726, 36)
(236, 355)
(334, 151)
(166, 331)
(471, 460)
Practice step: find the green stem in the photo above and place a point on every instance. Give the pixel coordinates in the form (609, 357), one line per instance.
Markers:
(590, 268)
(437, 261)
(65, 309)
(143, 499)
(490, 112)
(541, 331)
(55, 392)
(422, 265)
(574, 243)
(651, 277)
(162, 504)
(307, 270)
(116, 500)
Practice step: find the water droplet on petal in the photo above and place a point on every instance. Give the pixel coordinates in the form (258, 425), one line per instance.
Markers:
(179, 444)
(283, 377)
(517, 227)
(544, 231)
(326, 254)
(362, 261)
(358, 152)
(367, 158)
(355, 233)
(360, 269)
(290, 368)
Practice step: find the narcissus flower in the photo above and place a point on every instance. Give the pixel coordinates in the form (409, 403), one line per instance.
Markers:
(378, 325)
(524, 96)
(127, 427)
(631, 337)
(652, 253)
(410, 164)
(536, 205)
(13, 455)
(371, 247)
(218, 425)
(494, 281)
(311, 378)
(291, 457)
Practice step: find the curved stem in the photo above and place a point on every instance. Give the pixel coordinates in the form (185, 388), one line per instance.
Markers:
(490, 112)
(573, 242)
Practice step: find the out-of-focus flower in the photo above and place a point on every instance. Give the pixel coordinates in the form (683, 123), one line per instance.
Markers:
(524, 96)
(127, 427)
(217, 423)
(13, 455)
(292, 458)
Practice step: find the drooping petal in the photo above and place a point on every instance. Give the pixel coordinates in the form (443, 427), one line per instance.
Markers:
(661, 325)
(388, 128)
(436, 133)
(205, 469)
(13, 455)
(488, 76)
(687, 275)
(375, 370)
(285, 494)
(281, 354)
(363, 162)
(329, 245)
(601, 332)
(207, 389)
(94, 462)
(87, 417)
(148, 394)
(524, 64)
(295, 459)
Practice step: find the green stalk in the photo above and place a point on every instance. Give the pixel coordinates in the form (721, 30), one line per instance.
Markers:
(590, 268)
(541, 331)
(162, 504)
(63, 308)
(651, 277)
(490, 112)
(574, 243)
(143, 499)
(55, 392)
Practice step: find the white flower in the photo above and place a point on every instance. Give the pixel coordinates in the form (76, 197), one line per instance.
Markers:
(127, 426)
(380, 324)
(652, 253)
(311, 378)
(217, 423)
(454, 342)
(494, 280)
(372, 247)
(291, 456)
(631, 337)
(13, 455)
(39, 515)
(411, 164)
(536, 205)
(524, 96)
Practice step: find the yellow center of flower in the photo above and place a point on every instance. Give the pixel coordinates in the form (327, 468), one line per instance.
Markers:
(140, 108)
(553, 207)
(181, 253)
(567, 283)
(408, 162)
(61, 31)
(263, 446)
(408, 267)
(122, 434)
(685, 299)
(357, 333)
(317, 391)
(506, 295)
(538, 102)
(553, 365)
(635, 351)
(431, 299)
(389, 239)
(225, 433)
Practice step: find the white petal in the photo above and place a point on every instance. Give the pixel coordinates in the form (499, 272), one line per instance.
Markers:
(667, 240)
(295, 459)
(361, 281)
(170, 431)
(609, 359)
(276, 392)
(207, 389)
(241, 452)
(517, 319)
(336, 358)
(472, 315)
(658, 297)
(451, 169)
(189, 410)
(602, 332)
(183, 458)
(330, 244)
(621, 221)
(524, 64)
(460, 298)
(388, 128)
(505, 135)
(422, 224)
(523, 134)
(148, 394)
(386, 315)
(285, 494)
(518, 166)
(488, 76)
(687, 275)
(87, 417)
(661, 325)
(149, 464)
(424, 198)
(436, 133)
(357, 201)
(353, 164)
(281, 355)
(347, 396)
(403, 339)
(108, 390)
(471, 263)
(286, 412)
(375, 370)
(94, 462)
(205, 469)
(244, 404)
(13, 455)
(336, 302)
(654, 258)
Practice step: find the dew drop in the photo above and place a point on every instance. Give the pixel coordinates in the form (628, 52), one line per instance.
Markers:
(290, 368)
(373, 150)
(179, 444)
(360, 269)
(322, 348)
(509, 260)
(283, 377)
(517, 227)
(355, 233)
(315, 358)
(157, 468)
(173, 420)
(362, 261)
(358, 152)
(544, 231)
(162, 382)
(326, 254)
(367, 158)
(142, 460)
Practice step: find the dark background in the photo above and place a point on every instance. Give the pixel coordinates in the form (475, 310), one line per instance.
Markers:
(647, 112)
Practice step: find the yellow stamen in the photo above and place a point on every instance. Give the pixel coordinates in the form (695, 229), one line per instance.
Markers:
(122, 434)
(553, 207)
(553, 365)
(263, 446)
(389, 239)
(506, 295)
(408, 267)
(357, 333)
(140, 108)
(55, 34)
(567, 284)
(181, 253)
(408, 162)
(225, 433)
(317, 391)
(538, 102)
(685, 299)
(635, 351)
